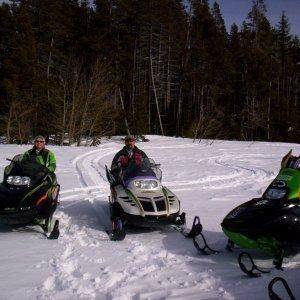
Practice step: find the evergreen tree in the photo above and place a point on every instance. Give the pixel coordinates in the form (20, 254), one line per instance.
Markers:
(220, 23)
(165, 67)
(20, 77)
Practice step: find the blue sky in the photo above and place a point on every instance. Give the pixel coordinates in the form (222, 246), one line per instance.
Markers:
(237, 10)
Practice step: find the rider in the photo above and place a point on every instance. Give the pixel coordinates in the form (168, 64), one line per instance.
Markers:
(40, 154)
(125, 156)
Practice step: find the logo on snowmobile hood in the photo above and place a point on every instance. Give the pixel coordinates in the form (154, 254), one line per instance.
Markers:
(285, 177)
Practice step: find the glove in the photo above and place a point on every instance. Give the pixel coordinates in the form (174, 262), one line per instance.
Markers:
(124, 161)
(138, 159)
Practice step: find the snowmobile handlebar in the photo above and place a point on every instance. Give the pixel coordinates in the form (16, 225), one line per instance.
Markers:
(154, 165)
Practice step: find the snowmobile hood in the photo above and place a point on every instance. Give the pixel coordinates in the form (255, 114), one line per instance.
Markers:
(282, 191)
(252, 215)
(17, 197)
(32, 169)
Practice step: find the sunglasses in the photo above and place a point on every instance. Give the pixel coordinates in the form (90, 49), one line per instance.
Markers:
(40, 141)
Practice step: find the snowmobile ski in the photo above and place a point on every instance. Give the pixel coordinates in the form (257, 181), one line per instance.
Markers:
(188, 233)
(118, 232)
(273, 295)
(194, 234)
(205, 249)
(254, 271)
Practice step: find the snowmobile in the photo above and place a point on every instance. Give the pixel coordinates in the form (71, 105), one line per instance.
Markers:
(29, 195)
(270, 223)
(139, 199)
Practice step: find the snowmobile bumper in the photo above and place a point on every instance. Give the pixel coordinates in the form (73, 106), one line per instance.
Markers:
(18, 217)
(150, 221)
(267, 244)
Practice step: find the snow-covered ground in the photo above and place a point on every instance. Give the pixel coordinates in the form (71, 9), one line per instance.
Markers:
(209, 178)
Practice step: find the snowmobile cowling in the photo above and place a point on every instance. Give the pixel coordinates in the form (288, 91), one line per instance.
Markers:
(271, 222)
(26, 193)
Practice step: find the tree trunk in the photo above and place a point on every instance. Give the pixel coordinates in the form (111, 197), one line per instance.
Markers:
(123, 107)
(155, 93)
(48, 69)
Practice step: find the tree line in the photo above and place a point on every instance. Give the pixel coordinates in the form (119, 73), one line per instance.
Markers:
(73, 71)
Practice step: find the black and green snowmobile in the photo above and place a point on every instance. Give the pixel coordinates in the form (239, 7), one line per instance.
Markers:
(29, 195)
(270, 223)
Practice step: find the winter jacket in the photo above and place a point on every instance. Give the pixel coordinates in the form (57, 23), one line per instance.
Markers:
(45, 157)
(124, 157)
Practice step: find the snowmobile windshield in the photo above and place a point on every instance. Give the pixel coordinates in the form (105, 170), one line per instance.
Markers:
(31, 169)
(141, 170)
(293, 163)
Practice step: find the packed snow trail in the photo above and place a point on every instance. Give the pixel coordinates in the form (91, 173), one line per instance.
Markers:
(209, 178)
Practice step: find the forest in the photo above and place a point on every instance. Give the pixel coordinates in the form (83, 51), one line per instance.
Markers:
(74, 71)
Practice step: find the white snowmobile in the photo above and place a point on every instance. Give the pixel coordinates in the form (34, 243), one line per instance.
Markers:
(139, 199)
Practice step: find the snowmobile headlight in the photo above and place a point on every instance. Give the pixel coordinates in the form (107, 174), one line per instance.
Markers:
(25, 180)
(275, 194)
(137, 184)
(18, 180)
(10, 179)
(146, 184)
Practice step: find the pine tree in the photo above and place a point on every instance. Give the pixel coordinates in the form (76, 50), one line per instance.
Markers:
(220, 23)
(287, 80)
(6, 40)
(19, 84)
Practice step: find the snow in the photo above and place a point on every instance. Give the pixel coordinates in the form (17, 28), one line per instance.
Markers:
(209, 177)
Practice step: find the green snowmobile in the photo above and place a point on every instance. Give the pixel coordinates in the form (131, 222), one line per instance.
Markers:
(29, 195)
(270, 223)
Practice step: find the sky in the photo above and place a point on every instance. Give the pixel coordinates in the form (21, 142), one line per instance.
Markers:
(237, 10)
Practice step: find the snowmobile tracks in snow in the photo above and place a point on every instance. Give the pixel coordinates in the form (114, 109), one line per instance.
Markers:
(88, 168)
(81, 237)
(232, 171)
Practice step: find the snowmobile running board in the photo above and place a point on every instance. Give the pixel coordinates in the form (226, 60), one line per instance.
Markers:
(188, 233)
(273, 295)
(205, 249)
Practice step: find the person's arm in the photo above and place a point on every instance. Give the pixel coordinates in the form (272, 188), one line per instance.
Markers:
(51, 162)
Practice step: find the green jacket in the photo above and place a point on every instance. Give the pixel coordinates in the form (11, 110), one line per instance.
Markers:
(45, 157)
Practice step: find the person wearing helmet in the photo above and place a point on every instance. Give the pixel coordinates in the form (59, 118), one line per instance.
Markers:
(122, 159)
(40, 154)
